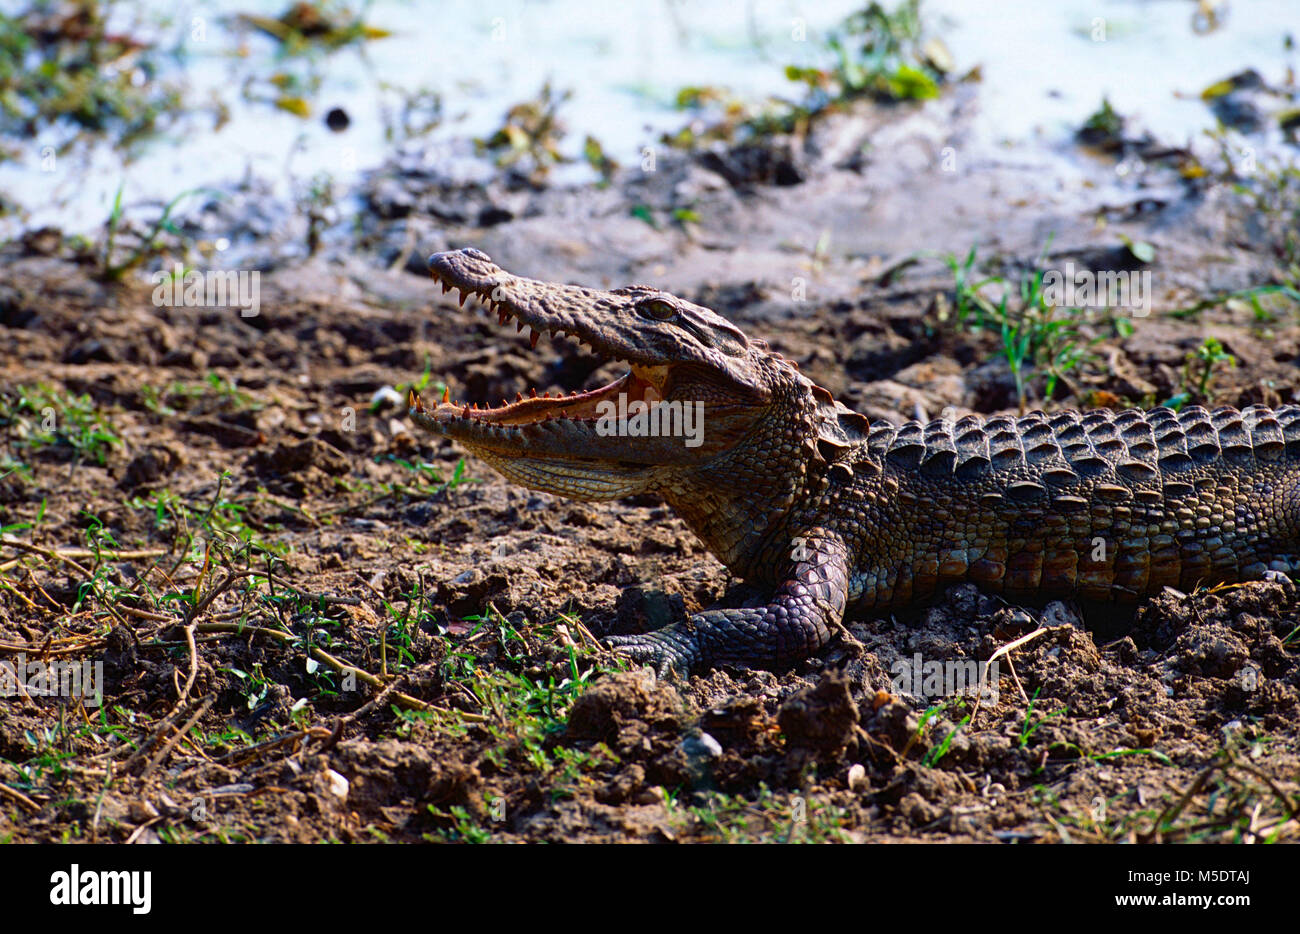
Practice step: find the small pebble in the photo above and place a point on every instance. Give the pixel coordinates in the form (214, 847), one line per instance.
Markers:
(857, 777)
(338, 785)
(386, 396)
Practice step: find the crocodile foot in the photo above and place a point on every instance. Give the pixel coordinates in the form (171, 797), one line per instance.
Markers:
(671, 649)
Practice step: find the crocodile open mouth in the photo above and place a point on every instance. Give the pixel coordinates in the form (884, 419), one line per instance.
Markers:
(591, 405)
(641, 383)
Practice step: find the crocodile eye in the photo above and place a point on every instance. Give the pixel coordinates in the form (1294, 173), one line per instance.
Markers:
(657, 309)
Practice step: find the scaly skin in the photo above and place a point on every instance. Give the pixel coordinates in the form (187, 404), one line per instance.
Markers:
(792, 490)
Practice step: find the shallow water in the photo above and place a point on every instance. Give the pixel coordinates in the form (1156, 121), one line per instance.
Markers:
(1043, 73)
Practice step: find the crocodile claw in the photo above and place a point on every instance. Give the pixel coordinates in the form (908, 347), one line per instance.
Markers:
(667, 650)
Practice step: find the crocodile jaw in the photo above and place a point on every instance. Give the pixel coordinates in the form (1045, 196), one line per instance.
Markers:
(584, 445)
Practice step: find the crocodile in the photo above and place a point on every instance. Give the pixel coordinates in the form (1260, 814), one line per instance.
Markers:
(831, 512)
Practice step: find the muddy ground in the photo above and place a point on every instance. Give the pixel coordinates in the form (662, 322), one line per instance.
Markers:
(315, 625)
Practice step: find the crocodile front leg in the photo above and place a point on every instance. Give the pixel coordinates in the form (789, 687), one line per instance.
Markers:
(797, 622)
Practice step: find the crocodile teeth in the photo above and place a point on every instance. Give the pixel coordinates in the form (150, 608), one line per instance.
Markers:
(446, 394)
(519, 326)
(533, 338)
(463, 295)
(502, 316)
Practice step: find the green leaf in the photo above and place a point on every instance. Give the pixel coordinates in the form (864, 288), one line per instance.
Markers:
(294, 105)
(909, 83)
(1141, 250)
(642, 211)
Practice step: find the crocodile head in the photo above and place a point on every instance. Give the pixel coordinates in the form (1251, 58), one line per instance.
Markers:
(721, 415)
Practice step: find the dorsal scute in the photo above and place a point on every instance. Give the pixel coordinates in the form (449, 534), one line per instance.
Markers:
(1063, 446)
